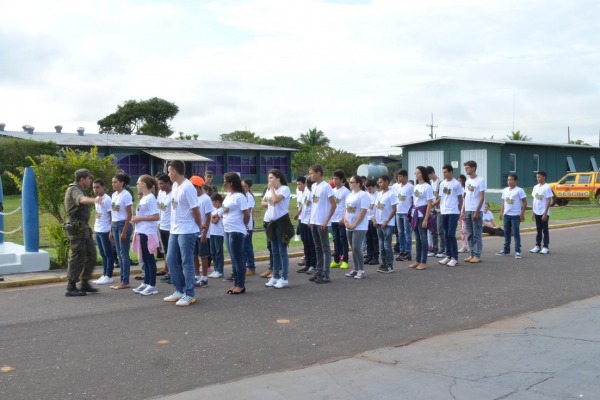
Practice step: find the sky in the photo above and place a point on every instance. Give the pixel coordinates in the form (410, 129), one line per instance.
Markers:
(369, 74)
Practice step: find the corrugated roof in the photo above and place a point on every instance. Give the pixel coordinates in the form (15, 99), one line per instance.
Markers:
(170, 155)
(498, 141)
(133, 141)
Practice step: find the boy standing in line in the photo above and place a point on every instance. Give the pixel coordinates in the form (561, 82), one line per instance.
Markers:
(471, 211)
(385, 211)
(404, 192)
(542, 200)
(512, 211)
(451, 201)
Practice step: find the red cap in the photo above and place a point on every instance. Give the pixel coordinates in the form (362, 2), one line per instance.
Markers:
(197, 180)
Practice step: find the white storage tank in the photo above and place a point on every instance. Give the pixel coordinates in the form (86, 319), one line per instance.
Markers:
(372, 170)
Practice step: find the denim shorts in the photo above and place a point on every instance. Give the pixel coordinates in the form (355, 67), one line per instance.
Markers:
(202, 250)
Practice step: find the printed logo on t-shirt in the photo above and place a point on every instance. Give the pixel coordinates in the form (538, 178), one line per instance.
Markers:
(417, 193)
(98, 215)
(338, 200)
(307, 201)
(401, 197)
(162, 206)
(371, 206)
(174, 204)
(470, 188)
(538, 196)
(350, 209)
(115, 207)
(509, 200)
(315, 199)
(447, 190)
(380, 205)
(225, 210)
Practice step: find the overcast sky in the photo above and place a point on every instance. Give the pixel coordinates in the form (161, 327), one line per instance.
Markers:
(367, 73)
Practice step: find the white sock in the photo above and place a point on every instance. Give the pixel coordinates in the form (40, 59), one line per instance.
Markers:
(204, 278)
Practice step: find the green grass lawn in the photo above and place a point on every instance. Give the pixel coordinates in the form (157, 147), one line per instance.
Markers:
(575, 210)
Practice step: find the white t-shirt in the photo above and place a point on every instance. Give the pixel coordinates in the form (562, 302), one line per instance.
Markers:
(146, 207)
(355, 203)
(205, 206)
(541, 194)
(233, 212)
(513, 200)
(320, 199)
(306, 206)
(404, 195)
(422, 194)
(473, 192)
(449, 193)
(487, 216)
(340, 202)
(164, 207)
(372, 200)
(183, 199)
(103, 211)
(120, 201)
(383, 206)
(217, 229)
(251, 205)
(278, 210)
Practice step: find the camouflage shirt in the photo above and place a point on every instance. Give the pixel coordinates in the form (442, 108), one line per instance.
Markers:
(76, 212)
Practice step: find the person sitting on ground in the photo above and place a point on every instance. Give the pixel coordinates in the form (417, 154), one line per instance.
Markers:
(489, 226)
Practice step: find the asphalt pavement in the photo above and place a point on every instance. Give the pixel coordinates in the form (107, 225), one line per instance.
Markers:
(116, 344)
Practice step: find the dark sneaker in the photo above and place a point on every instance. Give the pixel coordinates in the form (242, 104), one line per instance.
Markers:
(86, 287)
(229, 279)
(303, 270)
(74, 292)
(167, 277)
(321, 279)
(386, 270)
(373, 262)
(382, 268)
(315, 277)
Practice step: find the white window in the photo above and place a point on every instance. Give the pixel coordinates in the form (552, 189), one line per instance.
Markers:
(593, 163)
(536, 163)
(570, 164)
(513, 162)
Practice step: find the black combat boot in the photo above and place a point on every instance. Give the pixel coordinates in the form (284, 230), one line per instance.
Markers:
(72, 290)
(86, 287)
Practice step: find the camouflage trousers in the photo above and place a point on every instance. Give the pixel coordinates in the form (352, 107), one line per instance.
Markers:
(82, 257)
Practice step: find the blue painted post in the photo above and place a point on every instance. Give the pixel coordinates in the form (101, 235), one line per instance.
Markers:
(1, 216)
(31, 218)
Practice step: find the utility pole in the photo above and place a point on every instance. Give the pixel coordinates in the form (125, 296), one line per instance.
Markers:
(569, 134)
(431, 126)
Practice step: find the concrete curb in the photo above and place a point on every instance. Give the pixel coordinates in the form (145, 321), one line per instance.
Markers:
(62, 277)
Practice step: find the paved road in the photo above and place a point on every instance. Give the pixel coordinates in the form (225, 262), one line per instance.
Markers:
(110, 345)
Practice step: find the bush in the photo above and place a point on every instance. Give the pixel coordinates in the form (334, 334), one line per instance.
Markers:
(16, 153)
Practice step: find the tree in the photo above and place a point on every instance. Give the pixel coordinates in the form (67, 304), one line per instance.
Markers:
(53, 175)
(578, 141)
(282, 141)
(183, 136)
(241, 136)
(15, 153)
(518, 136)
(314, 138)
(147, 117)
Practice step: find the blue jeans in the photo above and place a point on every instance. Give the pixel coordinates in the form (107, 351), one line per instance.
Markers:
(281, 261)
(404, 234)
(122, 248)
(249, 252)
(422, 244)
(474, 233)
(322, 250)
(216, 252)
(385, 244)
(149, 262)
(105, 249)
(512, 223)
(449, 223)
(266, 225)
(235, 246)
(340, 242)
(180, 258)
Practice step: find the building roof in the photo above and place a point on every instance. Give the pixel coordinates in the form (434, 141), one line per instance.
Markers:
(170, 155)
(133, 141)
(500, 142)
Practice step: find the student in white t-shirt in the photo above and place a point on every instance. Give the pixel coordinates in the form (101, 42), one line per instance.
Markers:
(475, 188)
(404, 193)
(323, 207)
(542, 200)
(357, 224)
(512, 211)
(451, 198)
(304, 198)
(248, 245)
(185, 228)
(146, 240)
(164, 226)
(121, 228)
(235, 226)
(202, 251)
(372, 239)
(384, 221)
(423, 199)
(102, 230)
(340, 240)
(217, 234)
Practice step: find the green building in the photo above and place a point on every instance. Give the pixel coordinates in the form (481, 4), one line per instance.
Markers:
(497, 158)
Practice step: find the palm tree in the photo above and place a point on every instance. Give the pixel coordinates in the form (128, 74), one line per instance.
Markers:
(518, 136)
(314, 138)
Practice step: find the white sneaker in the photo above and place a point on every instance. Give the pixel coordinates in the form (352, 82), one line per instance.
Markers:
(216, 275)
(281, 283)
(186, 301)
(105, 280)
(440, 255)
(150, 290)
(140, 288)
(545, 250)
(271, 282)
(445, 261)
(360, 275)
(463, 250)
(536, 249)
(431, 254)
(174, 297)
(517, 255)
(452, 263)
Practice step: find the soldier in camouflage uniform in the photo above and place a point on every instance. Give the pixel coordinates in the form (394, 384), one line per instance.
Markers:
(82, 257)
